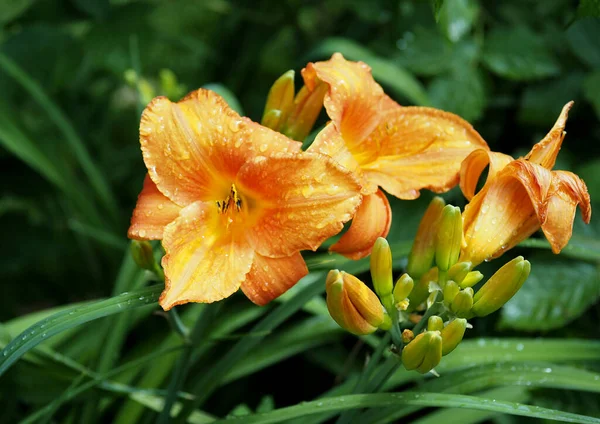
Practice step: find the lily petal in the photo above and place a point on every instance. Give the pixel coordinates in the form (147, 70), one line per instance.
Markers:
(271, 277)
(420, 148)
(545, 152)
(152, 213)
(474, 164)
(202, 263)
(372, 220)
(567, 191)
(191, 147)
(305, 198)
(353, 100)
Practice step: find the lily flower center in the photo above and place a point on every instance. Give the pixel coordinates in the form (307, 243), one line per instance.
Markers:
(237, 210)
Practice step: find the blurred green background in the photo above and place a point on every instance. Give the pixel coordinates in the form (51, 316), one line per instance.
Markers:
(74, 75)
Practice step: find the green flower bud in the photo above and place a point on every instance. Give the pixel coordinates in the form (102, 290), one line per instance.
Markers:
(471, 279)
(449, 238)
(459, 271)
(142, 254)
(435, 323)
(279, 101)
(420, 292)
(423, 353)
(403, 287)
(407, 336)
(451, 289)
(463, 302)
(352, 304)
(387, 322)
(502, 286)
(421, 255)
(452, 334)
(381, 268)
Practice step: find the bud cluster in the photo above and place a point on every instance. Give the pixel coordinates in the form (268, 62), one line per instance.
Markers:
(427, 308)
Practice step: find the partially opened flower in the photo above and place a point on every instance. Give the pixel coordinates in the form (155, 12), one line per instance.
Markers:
(519, 197)
(400, 149)
(232, 201)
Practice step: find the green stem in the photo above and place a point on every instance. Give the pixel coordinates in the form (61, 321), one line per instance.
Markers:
(431, 311)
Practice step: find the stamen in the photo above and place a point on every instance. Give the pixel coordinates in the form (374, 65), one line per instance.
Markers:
(232, 199)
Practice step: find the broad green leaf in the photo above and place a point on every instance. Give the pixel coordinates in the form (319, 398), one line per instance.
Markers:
(518, 54)
(556, 292)
(73, 317)
(591, 90)
(569, 401)
(584, 39)
(461, 92)
(456, 17)
(384, 71)
(425, 52)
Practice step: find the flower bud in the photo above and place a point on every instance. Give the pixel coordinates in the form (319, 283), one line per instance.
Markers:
(459, 271)
(435, 323)
(305, 111)
(471, 279)
(381, 268)
(420, 259)
(387, 322)
(424, 352)
(402, 289)
(501, 286)
(449, 238)
(463, 302)
(279, 102)
(142, 254)
(420, 292)
(451, 289)
(407, 336)
(452, 334)
(352, 304)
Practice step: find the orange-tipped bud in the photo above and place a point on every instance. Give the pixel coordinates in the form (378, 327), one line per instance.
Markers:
(452, 334)
(422, 253)
(280, 102)
(305, 111)
(424, 352)
(502, 286)
(352, 304)
(449, 238)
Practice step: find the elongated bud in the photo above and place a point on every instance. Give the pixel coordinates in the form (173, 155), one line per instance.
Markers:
(501, 287)
(142, 254)
(420, 292)
(449, 238)
(381, 268)
(280, 102)
(471, 279)
(402, 289)
(463, 302)
(424, 352)
(420, 259)
(352, 304)
(459, 271)
(451, 289)
(452, 334)
(435, 323)
(305, 111)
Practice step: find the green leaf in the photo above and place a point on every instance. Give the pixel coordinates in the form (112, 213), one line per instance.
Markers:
(73, 317)
(456, 17)
(588, 8)
(461, 92)
(95, 8)
(591, 90)
(384, 71)
(383, 400)
(556, 292)
(518, 54)
(11, 9)
(584, 39)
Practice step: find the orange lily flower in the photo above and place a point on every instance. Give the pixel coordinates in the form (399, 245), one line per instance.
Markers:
(232, 201)
(519, 197)
(400, 149)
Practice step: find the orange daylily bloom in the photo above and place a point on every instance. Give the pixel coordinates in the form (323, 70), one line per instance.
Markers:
(232, 201)
(400, 149)
(520, 197)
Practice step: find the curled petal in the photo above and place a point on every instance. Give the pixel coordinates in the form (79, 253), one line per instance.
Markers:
(191, 147)
(152, 213)
(271, 277)
(474, 164)
(304, 199)
(545, 152)
(353, 100)
(567, 191)
(420, 148)
(202, 263)
(372, 220)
